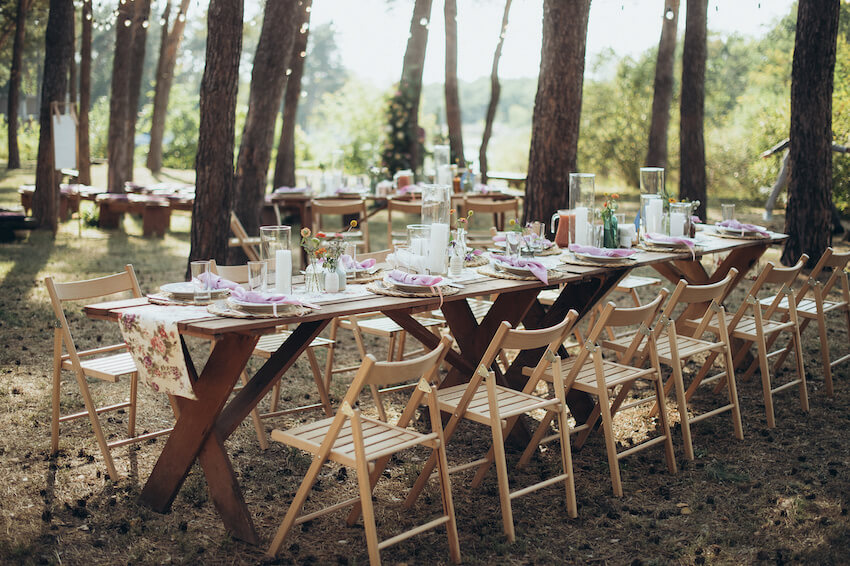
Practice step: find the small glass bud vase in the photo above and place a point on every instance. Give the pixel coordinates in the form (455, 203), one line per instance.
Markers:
(331, 281)
(610, 231)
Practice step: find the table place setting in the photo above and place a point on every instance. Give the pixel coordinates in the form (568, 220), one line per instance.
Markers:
(520, 268)
(739, 230)
(602, 257)
(398, 283)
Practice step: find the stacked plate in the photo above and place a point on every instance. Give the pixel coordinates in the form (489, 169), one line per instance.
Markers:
(602, 258)
(185, 291)
(275, 309)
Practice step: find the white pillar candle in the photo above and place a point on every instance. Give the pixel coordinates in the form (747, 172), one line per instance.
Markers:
(283, 272)
(444, 175)
(581, 237)
(677, 224)
(627, 235)
(438, 248)
(654, 209)
(417, 246)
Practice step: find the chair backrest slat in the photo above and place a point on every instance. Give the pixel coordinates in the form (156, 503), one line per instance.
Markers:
(485, 205)
(99, 287)
(538, 338)
(705, 293)
(384, 374)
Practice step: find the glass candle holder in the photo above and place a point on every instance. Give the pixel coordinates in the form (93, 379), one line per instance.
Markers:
(418, 241)
(442, 165)
(727, 211)
(680, 219)
(651, 212)
(651, 180)
(275, 242)
(582, 189)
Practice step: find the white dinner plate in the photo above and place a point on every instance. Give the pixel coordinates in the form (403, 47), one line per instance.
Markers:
(185, 290)
(727, 230)
(263, 308)
(602, 258)
(671, 245)
(410, 288)
(512, 268)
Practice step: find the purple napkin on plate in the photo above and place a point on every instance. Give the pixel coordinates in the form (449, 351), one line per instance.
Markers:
(267, 298)
(216, 282)
(535, 267)
(605, 252)
(290, 190)
(664, 239)
(414, 278)
(735, 225)
(349, 264)
(499, 238)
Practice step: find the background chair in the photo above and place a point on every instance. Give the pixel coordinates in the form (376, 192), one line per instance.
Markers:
(249, 244)
(481, 206)
(343, 207)
(400, 206)
(367, 444)
(106, 363)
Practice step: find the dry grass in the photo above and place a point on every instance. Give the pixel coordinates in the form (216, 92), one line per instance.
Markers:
(779, 496)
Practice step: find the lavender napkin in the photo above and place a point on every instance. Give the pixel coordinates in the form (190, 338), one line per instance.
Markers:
(290, 190)
(265, 298)
(606, 252)
(414, 278)
(664, 239)
(537, 269)
(349, 264)
(735, 225)
(216, 282)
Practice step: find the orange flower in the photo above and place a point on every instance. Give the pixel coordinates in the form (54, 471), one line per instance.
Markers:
(615, 195)
(321, 235)
(672, 200)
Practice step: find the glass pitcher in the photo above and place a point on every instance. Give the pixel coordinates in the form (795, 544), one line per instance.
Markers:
(566, 227)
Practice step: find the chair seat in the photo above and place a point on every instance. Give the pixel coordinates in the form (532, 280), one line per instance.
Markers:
(687, 346)
(807, 307)
(636, 282)
(615, 374)
(107, 368)
(269, 343)
(511, 402)
(379, 438)
(385, 326)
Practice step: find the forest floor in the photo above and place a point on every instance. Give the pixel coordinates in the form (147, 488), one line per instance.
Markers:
(778, 496)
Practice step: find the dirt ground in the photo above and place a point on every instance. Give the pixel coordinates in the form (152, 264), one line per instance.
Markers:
(779, 496)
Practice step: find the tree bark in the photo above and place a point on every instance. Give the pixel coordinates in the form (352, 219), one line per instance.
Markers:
(84, 159)
(119, 100)
(15, 84)
(72, 63)
(808, 216)
(656, 155)
(557, 108)
(284, 167)
(453, 118)
(495, 91)
(268, 79)
(411, 74)
(214, 161)
(692, 179)
(58, 48)
(137, 64)
(164, 79)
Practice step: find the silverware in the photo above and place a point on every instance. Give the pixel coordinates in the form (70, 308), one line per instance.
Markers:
(455, 285)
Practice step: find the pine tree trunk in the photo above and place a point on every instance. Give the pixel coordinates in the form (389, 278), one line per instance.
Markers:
(58, 48)
(84, 159)
(164, 79)
(72, 63)
(411, 74)
(119, 100)
(692, 180)
(15, 84)
(453, 118)
(284, 167)
(214, 161)
(557, 108)
(137, 64)
(495, 91)
(656, 155)
(268, 79)
(808, 216)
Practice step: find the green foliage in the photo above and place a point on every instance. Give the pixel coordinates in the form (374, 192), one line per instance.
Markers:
(841, 118)
(27, 139)
(395, 154)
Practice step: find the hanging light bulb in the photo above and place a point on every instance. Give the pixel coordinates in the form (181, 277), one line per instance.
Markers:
(288, 72)
(669, 14)
(181, 17)
(145, 24)
(128, 23)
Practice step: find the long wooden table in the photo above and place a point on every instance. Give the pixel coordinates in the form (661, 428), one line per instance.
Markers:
(205, 424)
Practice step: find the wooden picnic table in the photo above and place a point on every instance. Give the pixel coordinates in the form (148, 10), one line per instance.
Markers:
(205, 424)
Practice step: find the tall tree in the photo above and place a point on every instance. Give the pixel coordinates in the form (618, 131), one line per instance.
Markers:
(268, 79)
(692, 179)
(58, 48)
(557, 107)
(411, 73)
(214, 161)
(495, 91)
(84, 157)
(72, 63)
(15, 82)
(137, 64)
(656, 155)
(452, 99)
(120, 162)
(284, 167)
(809, 211)
(169, 44)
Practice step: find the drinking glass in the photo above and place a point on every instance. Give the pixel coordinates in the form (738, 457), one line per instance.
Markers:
(275, 250)
(512, 243)
(200, 271)
(351, 251)
(728, 211)
(442, 165)
(257, 273)
(582, 189)
(680, 219)
(652, 180)
(418, 244)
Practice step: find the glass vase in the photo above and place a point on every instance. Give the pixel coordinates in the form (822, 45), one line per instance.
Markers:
(610, 232)
(314, 281)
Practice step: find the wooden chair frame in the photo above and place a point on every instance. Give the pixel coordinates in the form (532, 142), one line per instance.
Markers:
(107, 363)
(483, 401)
(348, 431)
(498, 208)
(243, 240)
(342, 207)
(402, 207)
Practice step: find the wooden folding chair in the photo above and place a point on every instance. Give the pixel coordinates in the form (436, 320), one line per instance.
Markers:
(344, 207)
(754, 328)
(367, 444)
(483, 401)
(499, 208)
(268, 345)
(612, 382)
(400, 206)
(243, 240)
(107, 363)
(813, 305)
